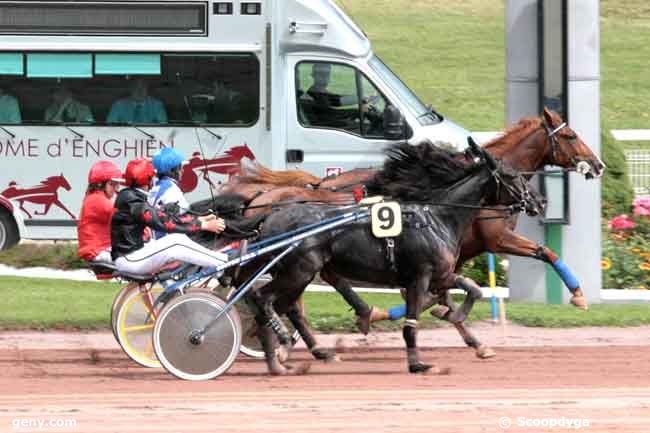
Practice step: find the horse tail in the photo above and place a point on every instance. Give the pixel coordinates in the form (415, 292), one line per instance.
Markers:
(254, 172)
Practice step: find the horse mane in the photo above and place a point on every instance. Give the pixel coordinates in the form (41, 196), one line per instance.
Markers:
(49, 179)
(420, 172)
(254, 172)
(224, 205)
(513, 135)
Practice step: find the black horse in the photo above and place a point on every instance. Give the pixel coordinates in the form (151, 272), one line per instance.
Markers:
(440, 197)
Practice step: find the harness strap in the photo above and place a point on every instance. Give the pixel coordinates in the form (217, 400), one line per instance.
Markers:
(242, 251)
(390, 253)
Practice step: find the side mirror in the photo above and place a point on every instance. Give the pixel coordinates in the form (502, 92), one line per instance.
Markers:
(394, 124)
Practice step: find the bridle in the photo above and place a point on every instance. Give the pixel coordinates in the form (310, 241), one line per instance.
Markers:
(551, 137)
(524, 196)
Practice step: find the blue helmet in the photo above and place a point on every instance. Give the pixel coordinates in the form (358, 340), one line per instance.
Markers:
(166, 160)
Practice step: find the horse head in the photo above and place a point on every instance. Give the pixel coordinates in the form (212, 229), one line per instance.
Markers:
(567, 148)
(240, 152)
(58, 182)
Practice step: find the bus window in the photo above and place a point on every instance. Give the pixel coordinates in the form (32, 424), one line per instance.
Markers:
(156, 89)
(336, 96)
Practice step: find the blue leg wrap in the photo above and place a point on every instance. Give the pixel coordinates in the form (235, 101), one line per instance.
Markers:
(397, 312)
(567, 276)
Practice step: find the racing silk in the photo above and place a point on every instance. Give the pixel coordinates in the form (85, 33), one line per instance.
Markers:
(166, 191)
(134, 213)
(93, 230)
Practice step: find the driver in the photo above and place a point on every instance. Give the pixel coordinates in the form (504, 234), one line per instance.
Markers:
(166, 193)
(134, 213)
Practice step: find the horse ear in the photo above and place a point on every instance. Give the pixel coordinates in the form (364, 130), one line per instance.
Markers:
(476, 150)
(489, 160)
(548, 116)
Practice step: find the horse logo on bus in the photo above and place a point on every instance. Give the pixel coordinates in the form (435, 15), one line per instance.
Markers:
(44, 194)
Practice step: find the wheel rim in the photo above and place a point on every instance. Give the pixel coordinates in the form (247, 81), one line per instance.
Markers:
(3, 236)
(219, 346)
(117, 303)
(135, 328)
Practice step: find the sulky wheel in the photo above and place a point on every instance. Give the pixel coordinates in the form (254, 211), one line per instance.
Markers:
(135, 323)
(117, 303)
(183, 350)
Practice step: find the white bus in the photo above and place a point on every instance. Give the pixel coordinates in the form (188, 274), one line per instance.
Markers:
(289, 83)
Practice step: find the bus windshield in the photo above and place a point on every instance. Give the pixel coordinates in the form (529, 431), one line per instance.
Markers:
(424, 114)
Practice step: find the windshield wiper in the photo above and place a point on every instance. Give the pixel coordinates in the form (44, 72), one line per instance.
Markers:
(430, 112)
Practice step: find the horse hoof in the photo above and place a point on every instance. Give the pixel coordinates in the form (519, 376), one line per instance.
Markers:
(277, 369)
(282, 353)
(298, 370)
(325, 355)
(423, 368)
(376, 314)
(580, 302)
(485, 352)
(440, 311)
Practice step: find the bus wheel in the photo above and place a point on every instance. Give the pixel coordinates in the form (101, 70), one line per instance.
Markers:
(8, 231)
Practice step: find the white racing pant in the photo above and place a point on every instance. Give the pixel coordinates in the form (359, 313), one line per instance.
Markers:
(157, 253)
(103, 257)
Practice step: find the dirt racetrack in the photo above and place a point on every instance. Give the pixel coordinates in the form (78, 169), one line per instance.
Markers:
(603, 388)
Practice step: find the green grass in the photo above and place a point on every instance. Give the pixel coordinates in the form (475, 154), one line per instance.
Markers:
(46, 303)
(452, 54)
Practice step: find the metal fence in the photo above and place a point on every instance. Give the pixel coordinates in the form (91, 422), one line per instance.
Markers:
(638, 168)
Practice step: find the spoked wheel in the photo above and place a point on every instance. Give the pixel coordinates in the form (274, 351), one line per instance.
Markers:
(184, 350)
(135, 324)
(250, 344)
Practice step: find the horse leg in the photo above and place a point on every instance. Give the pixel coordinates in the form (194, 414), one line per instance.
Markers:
(398, 311)
(482, 351)
(512, 243)
(266, 321)
(46, 209)
(299, 321)
(59, 204)
(409, 331)
(22, 208)
(473, 293)
(365, 313)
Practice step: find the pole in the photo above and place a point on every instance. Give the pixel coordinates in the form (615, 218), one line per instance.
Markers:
(493, 284)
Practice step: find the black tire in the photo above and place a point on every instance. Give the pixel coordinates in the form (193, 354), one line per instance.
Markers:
(9, 235)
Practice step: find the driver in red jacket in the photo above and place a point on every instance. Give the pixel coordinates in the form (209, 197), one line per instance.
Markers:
(94, 228)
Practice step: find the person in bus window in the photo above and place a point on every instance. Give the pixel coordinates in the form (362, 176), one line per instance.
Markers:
(94, 228)
(225, 104)
(138, 107)
(66, 109)
(9, 109)
(134, 213)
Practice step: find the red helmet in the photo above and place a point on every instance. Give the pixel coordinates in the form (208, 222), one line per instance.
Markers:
(139, 172)
(103, 171)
